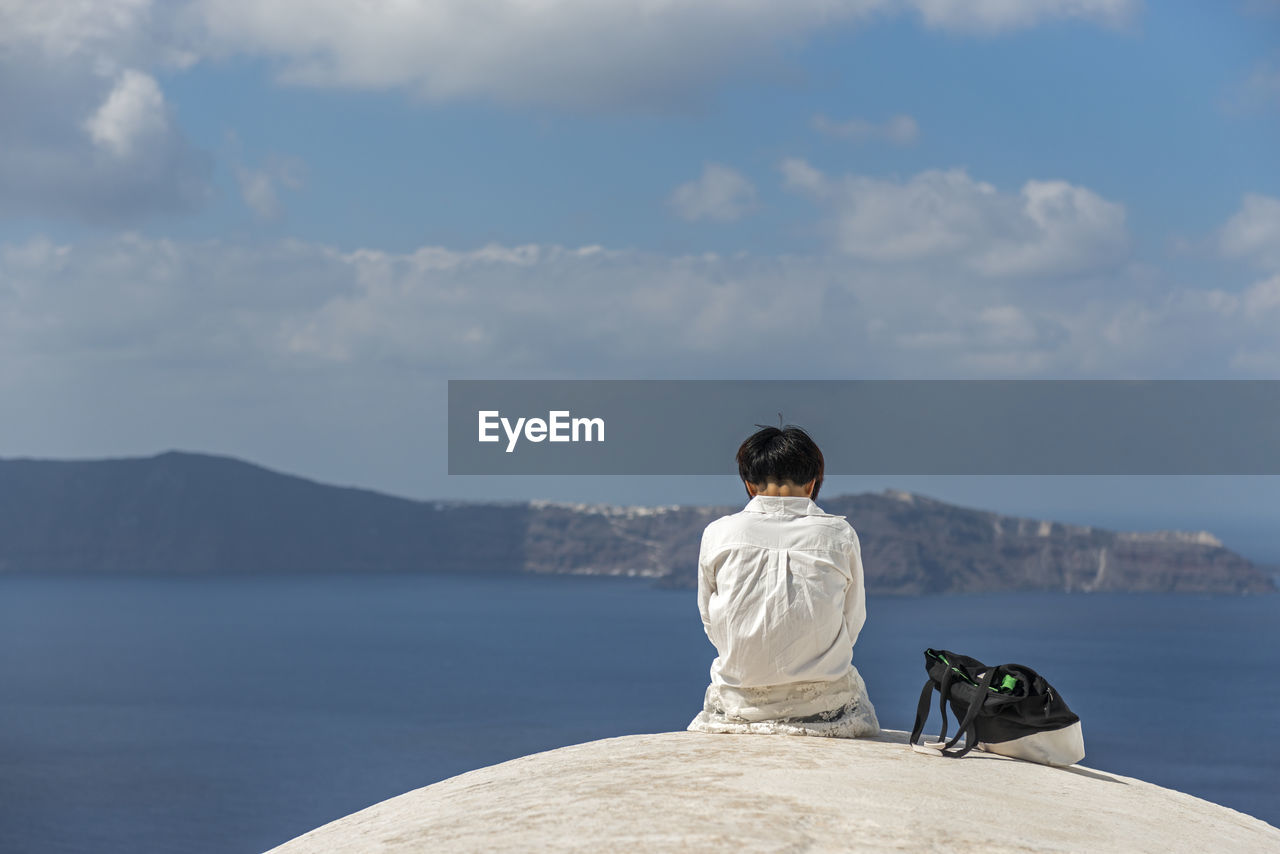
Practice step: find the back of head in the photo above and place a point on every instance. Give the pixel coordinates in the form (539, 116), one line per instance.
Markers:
(781, 454)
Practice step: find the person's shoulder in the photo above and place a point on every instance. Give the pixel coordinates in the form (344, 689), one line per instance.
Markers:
(839, 526)
(832, 520)
(726, 522)
(741, 526)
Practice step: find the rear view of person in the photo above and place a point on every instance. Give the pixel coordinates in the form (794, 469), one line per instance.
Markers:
(781, 593)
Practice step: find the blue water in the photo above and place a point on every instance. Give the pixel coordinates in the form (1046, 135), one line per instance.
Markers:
(229, 715)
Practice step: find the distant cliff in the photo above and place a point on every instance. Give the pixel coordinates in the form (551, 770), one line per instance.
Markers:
(183, 513)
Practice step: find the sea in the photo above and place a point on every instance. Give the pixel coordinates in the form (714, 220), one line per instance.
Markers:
(230, 714)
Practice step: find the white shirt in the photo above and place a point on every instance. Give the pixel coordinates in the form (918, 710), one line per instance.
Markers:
(781, 593)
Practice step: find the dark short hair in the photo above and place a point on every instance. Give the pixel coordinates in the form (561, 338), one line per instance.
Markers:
(778, 454)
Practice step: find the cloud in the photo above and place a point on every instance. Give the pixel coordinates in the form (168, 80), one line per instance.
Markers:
(291, 350)
(1253, 233)
(800, 176)
(899, 129)
(632, 54)
(259, 188)
(148, 304)
(307, 356)
(86, 132)
(1048, 228)
(1259, 91)
(63, 29)
(1261, 298)
(542, 311)
(993, 16)
(563, 53)
(1260, 8)
(103, 151)
(240, 320)
(134, 307)
(133, 111)
(719, 195)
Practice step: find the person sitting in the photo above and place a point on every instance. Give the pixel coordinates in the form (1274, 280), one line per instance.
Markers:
(782, 599)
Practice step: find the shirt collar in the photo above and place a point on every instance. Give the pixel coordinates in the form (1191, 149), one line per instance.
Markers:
(789, 505)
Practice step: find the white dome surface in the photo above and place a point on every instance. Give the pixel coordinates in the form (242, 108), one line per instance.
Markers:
(692, 792)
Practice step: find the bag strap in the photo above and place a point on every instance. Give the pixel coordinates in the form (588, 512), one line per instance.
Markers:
(944, 694)
(922, 708)
(922, 711)
(969, 727)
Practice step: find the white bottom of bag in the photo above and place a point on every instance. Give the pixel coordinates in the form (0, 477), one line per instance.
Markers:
(1056, 747)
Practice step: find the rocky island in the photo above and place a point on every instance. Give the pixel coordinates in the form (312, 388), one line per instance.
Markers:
(184, 513)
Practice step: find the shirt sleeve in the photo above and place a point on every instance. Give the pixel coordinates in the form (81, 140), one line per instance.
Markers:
(855, 600)
(706, 583)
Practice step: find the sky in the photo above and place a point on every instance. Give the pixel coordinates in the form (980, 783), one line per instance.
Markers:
(274, 229)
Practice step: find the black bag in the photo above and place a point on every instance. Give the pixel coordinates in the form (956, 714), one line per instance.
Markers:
(1009, 709)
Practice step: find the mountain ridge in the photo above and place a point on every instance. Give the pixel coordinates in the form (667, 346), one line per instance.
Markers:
(187, 513)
